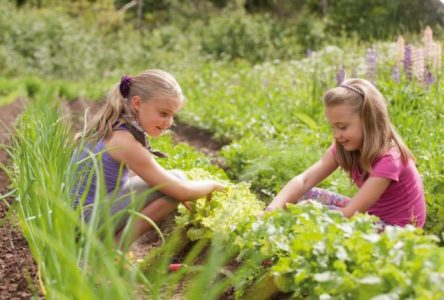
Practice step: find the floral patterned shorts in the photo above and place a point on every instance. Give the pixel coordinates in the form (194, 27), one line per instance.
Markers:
(334, 201)
(330, 199)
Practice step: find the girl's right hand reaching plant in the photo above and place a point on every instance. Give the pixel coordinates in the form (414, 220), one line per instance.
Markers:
(187, 205)
(217, 186)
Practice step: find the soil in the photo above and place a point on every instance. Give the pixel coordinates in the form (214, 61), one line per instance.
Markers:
(200, 139)
(17, 268)
(18, 271)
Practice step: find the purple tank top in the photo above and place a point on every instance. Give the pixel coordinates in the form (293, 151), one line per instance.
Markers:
(115, 174)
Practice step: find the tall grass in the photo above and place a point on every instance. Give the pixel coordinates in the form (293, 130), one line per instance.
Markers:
(73, 262)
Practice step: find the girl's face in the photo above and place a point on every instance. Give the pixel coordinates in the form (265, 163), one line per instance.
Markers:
(156, 115)
(346, 125)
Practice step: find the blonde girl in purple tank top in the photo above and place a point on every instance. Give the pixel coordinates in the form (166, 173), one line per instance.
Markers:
(368, 148)
(139, 105)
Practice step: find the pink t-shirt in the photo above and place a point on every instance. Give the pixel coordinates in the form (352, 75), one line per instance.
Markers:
(403, 202)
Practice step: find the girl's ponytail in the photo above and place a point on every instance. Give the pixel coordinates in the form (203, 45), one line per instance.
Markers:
(108, 116)
(112, 111)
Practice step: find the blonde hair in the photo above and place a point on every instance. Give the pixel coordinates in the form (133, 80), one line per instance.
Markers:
(117, 109)
(379, 134)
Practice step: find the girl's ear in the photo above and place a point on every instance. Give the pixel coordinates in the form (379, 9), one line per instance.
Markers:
(136, 101)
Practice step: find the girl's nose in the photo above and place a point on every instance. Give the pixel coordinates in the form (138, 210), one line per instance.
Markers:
(336, 133)
(169, 122)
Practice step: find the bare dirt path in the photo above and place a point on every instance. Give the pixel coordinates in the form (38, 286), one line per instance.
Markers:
(18, 279)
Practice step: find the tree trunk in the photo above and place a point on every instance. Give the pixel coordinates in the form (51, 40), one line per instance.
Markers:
(139, 14)
(324, 7)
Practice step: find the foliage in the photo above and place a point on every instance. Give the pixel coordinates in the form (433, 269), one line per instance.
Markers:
(53, 44)
(184, 157)
(223, 216)
(378, 19)
(319, 253)
(310, 31)
(237, 35)
(88, 40)
(30, 87)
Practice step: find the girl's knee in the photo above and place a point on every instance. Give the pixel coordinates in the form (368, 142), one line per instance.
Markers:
(167, 203)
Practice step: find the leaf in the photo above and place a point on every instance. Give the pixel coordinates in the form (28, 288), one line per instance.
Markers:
(307, 120)
(323, 277)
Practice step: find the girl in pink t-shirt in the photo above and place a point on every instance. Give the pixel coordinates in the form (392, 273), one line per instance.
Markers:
(368, 148)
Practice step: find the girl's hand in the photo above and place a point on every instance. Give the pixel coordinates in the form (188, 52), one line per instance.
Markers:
(266, 209)
(217, 187)
(274, 205)
(269, 208)
(187, 205)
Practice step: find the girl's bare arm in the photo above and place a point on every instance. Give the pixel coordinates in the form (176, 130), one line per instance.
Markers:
(367, 195)
(302, 183)
(124, 148)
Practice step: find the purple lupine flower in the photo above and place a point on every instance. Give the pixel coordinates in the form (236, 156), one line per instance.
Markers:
(371, 65)
(396, 73)
(418, 69)
(408, 61)
(437, 58)
(428, 42)
(428, 77)
(400, 46)
(340, 75)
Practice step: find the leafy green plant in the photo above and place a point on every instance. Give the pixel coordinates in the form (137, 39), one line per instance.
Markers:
(318, 252)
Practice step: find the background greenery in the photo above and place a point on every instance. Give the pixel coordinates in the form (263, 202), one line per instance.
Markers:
(253, 72)
(92, 39)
